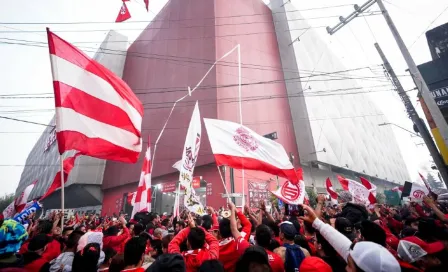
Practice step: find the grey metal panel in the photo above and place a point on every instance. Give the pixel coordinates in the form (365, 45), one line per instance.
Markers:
(43, 166)
(345, 125)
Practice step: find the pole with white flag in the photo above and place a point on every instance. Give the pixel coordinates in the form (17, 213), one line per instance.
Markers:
(241, 117)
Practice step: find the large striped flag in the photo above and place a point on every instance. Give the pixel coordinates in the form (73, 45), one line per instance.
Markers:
(372, 189)
(96, 111)
(239, 147)
(359, 192)
(142, 202)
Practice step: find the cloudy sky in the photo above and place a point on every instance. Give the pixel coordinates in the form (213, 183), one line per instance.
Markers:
(25, 67)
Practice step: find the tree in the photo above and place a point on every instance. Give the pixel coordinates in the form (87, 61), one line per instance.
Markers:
(5, 201)
(312, 196)
(380, 198)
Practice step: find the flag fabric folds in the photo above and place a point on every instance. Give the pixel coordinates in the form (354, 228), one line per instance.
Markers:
(21, 201)
(331, 192)
(68, 165)
(9, 211)
(239, 147)
(291, 193)
(147, 4)
(189, 158)
(123, 14)
(142, 202)
(359, 192)
(82, 86)
(425, 182)
(372, 189)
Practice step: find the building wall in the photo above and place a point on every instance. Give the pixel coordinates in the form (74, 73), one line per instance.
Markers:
(42, 165)
(346, 126)
(173, 53)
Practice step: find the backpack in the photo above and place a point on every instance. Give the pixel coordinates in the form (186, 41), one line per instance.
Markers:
(293, 257)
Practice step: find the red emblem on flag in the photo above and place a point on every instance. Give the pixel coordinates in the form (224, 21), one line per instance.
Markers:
(244, 139)
(290, 191)
(418, 194)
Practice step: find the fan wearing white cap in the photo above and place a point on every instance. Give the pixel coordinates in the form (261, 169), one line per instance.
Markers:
(362, 257)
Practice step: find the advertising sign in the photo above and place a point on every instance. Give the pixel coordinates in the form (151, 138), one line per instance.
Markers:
(258, 190)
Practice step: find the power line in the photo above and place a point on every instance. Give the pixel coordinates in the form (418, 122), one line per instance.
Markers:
(24, 121)
(430, 24)
(170, 20)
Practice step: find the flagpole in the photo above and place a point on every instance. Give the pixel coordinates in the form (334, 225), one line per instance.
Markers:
(223, 184)
(62, 191)
(241, 117)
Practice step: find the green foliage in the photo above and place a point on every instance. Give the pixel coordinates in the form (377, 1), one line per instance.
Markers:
(5, 201)
(312, 196)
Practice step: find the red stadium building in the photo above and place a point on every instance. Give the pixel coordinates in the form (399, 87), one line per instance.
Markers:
(174, 52)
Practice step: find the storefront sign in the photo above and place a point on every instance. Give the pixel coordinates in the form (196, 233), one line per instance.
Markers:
(441, 97)
(168, 187)
(258, 190)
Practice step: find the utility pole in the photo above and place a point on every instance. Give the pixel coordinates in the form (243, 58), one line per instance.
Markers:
(415, 73)
(413, 115)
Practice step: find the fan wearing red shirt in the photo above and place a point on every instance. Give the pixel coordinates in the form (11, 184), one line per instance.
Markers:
(197, 241)
(134, 252)
(232, 243)
(263, 239)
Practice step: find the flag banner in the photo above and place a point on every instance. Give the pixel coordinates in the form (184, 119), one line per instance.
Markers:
(20, 202)
(9, 211)
(397, 189)
(359, 192)
(142, 200)
(176, 209)
(414, 191)
(192, 201)
(146, 4)
(189, 158)
(130, 199)
(81, 87)
(425, 182)
(25, 213)
(392, 197)
(331, 192)
(68, 165)
(123, 14)
(372, 189)
(178, 165)
(291, 193)
(239, 147)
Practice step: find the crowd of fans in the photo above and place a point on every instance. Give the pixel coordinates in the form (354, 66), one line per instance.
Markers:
(345, 237)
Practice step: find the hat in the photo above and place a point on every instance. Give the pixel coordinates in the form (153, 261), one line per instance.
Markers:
(12, 235)
(314, 264)
(168, 262)
(90, 237)
(345, 226)
(345, 196)
(38, 242)
(288, 229)
(412, 248)
(373, 232)
(372, 257)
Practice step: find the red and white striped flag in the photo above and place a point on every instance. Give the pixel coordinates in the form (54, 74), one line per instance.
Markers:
(291, 193)
(21, 201)
(359, 192)
(142, 201)
(372, 189)
(331, 192)
(239, 147)
(96, 111)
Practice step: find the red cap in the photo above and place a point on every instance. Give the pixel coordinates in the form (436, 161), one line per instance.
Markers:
(430, 248)
(314, 264)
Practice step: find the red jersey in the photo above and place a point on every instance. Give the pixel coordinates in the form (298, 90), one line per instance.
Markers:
(275, 262)
(230, 250)
(139, 269)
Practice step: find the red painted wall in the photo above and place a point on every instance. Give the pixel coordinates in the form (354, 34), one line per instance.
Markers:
(174, 52)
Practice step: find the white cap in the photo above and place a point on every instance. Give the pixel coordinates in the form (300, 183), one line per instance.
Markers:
(372, 257)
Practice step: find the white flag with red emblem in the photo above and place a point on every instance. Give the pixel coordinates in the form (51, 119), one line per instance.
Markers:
(372, 189)
(20, 202)
(331, 192)
(189, 158)
(240, 147)
(123, 14)
(96, 111)
(291, 193)
(142, 202)
(359, 192)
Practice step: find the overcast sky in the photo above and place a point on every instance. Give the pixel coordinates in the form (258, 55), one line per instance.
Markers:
(26, 69)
